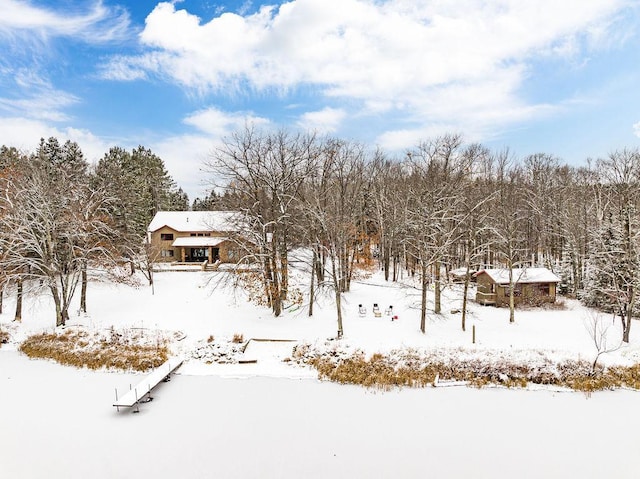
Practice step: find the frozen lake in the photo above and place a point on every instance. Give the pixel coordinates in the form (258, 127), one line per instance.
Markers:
(58, 422)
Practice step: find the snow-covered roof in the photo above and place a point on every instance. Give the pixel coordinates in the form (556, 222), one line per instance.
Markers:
(185, 221)
(520, 275)
(196, 241)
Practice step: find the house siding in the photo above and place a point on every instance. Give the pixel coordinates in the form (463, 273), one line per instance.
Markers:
(165, 253)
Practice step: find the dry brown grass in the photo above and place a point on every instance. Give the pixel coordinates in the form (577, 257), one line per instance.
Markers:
(238, 338)
(83, 349)
(4, 337)
(387, 372)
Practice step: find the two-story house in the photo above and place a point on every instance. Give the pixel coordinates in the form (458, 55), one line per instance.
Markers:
(194, 236)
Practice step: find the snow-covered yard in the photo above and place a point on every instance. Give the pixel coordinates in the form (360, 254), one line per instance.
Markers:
(187, 303)
(59, 422)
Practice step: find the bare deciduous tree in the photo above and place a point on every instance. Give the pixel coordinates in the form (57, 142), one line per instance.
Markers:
(264, 174)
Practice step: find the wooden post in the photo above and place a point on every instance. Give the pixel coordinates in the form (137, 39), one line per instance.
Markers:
(473, 334)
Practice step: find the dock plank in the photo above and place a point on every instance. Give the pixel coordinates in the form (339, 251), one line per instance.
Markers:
(147, 383)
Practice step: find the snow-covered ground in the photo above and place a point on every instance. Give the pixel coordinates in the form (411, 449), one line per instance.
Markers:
(282, 422)
(187, 303)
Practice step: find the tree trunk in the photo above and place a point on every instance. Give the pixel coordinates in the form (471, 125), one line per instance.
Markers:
(338, 293)
(437, 307)
(320, 257)
(512, 303)
(629, 316)
(65, 314)
(56, 299)
(284, 269)
(423, 309)
(395, 268)
(467, 278)
(276, 298)
(386, 260)
(312, 288)
(339, 312)
(83, 290)
(18, 315)
(151, 282)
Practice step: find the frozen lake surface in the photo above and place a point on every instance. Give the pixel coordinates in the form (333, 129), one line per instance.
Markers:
(58, 422)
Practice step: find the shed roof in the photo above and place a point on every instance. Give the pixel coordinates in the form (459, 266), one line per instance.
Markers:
(520, 275)
(185, 221)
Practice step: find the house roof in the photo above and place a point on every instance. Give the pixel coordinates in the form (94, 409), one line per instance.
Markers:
(198, 241)
(520, 275)
(185, 221)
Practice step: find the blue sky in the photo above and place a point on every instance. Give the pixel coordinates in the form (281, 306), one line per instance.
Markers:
(560, 77)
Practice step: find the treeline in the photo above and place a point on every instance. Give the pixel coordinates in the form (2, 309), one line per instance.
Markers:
(445, 204)
(61, 218)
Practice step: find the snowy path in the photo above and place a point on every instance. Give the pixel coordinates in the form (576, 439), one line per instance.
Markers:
(211, 427)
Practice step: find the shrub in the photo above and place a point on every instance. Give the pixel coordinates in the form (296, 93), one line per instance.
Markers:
(414, 369)
(540, 302)
(238, 338)
(79, 348)
(4, 337)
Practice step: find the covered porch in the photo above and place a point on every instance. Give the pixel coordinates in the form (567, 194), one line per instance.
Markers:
(198, 249)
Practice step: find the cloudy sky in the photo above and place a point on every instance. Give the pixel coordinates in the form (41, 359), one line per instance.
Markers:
(554, 76)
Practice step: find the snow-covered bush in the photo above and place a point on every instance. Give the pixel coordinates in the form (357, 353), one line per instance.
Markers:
(419, 368)
(112, 349)
(220, 351)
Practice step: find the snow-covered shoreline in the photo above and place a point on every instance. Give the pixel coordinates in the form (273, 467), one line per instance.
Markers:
(279, 420)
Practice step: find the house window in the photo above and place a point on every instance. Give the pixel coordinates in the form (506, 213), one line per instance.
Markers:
(207, 234)
(517, 290)
(543, 289)
(167, 253)
(166, 236)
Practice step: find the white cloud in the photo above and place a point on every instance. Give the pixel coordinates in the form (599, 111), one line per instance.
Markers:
(184, 157)
(122, 70)
(217, 123)
(95, 24)
(326, 120)
(36, 98)
(25, 134)
(436, 62)
(362, 49)
(636, 129)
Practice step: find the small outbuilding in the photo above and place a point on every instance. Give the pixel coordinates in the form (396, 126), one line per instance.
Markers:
(530, 285)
